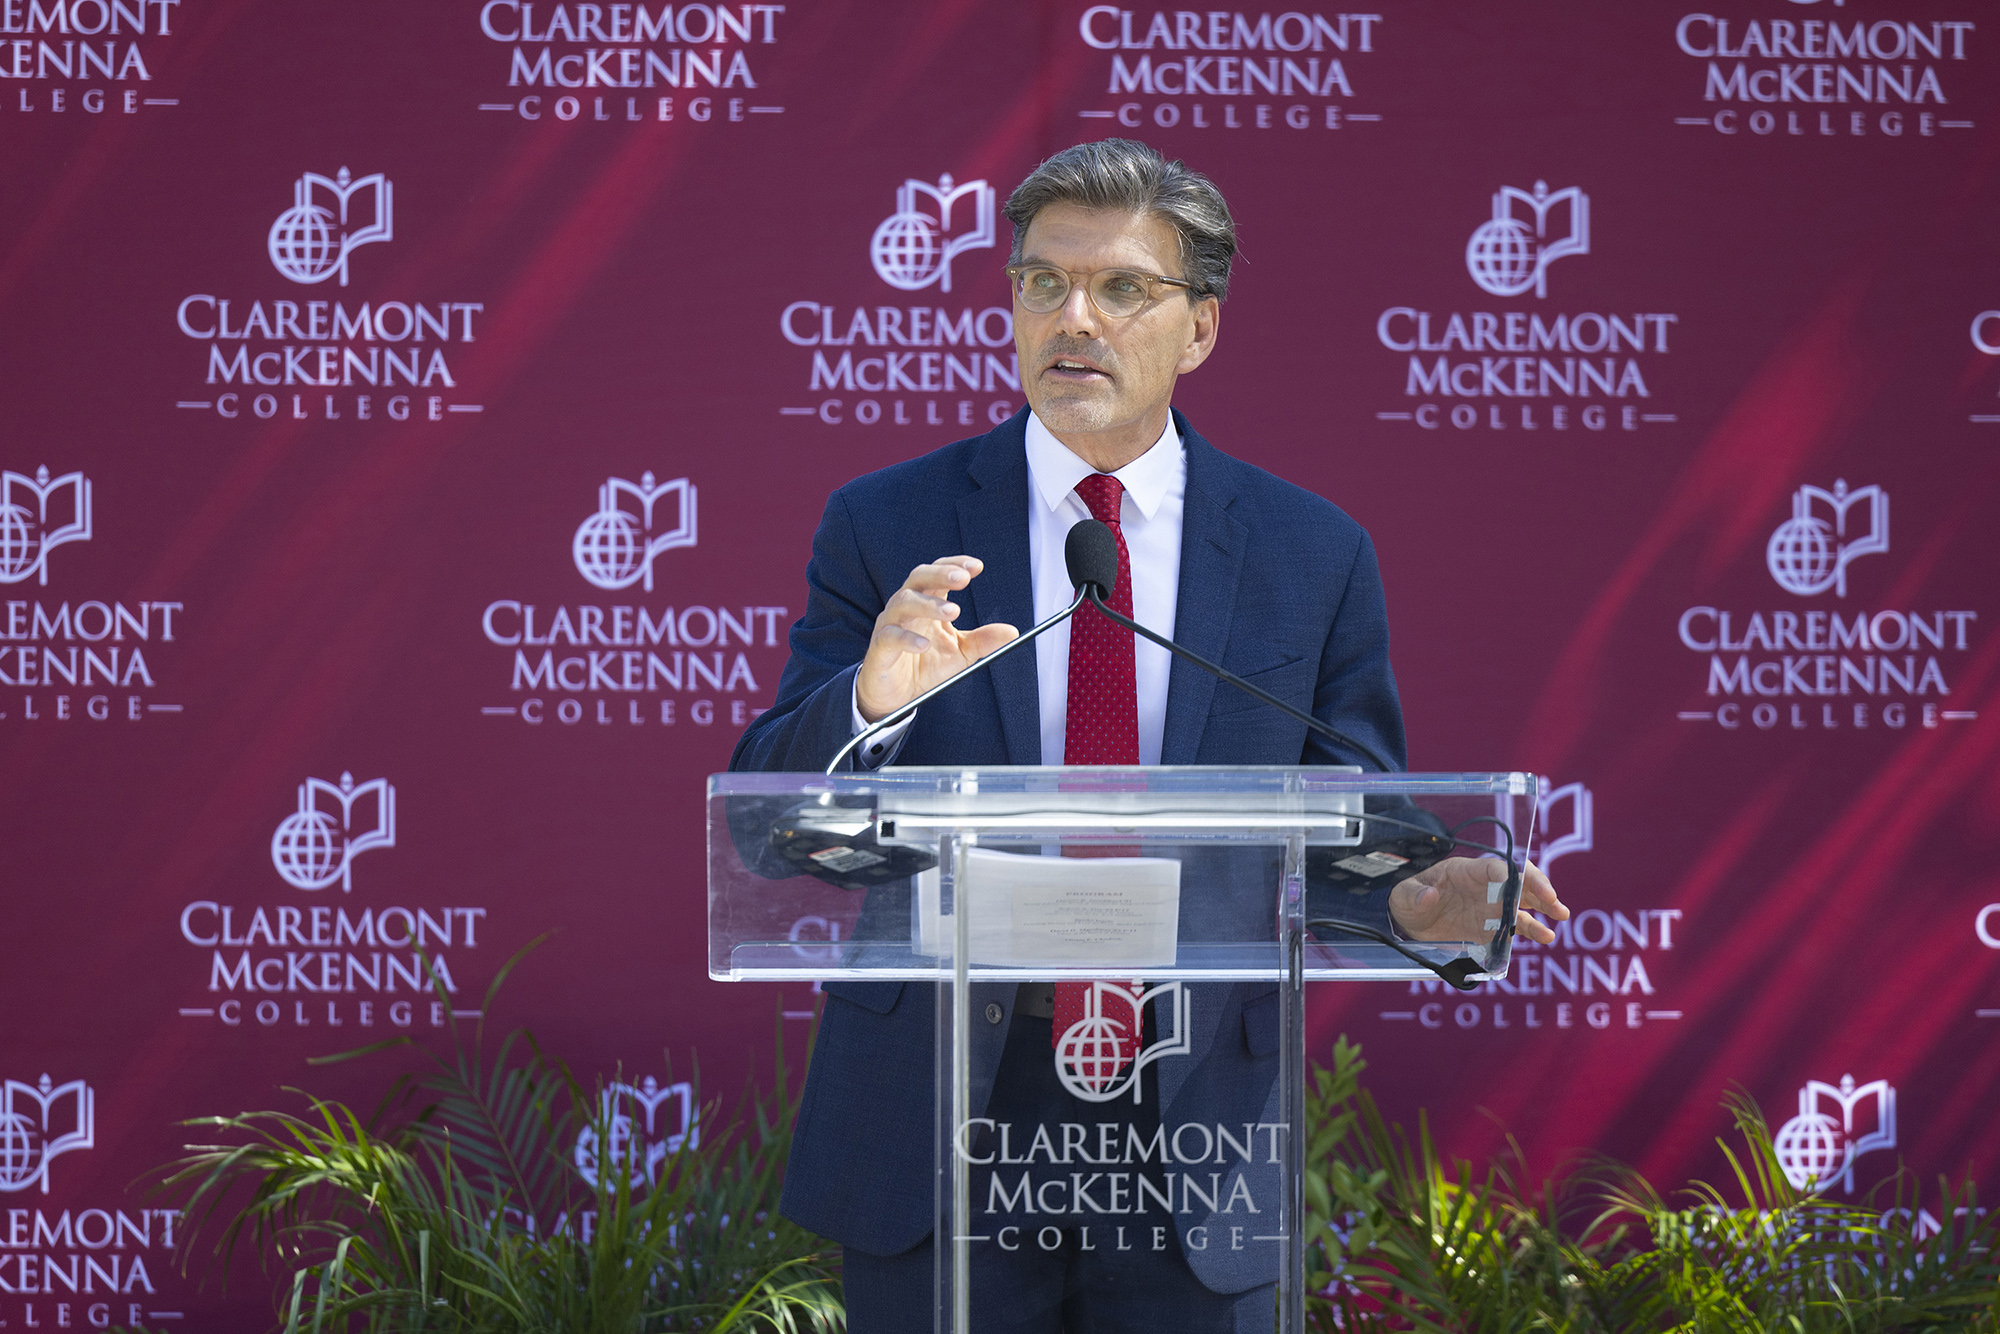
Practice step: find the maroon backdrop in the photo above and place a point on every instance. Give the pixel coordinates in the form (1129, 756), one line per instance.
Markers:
(332, 463)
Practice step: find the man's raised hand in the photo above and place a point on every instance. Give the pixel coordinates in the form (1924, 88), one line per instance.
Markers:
(915, 645)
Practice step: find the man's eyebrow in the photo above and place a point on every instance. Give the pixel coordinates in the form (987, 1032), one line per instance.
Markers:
(1027, 261)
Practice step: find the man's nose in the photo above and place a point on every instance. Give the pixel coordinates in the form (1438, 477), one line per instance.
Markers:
(1078, 317)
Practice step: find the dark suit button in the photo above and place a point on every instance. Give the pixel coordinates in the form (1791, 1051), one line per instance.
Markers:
(994, 1014)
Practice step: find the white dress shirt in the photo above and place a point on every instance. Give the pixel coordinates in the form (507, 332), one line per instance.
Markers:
(1150, 515)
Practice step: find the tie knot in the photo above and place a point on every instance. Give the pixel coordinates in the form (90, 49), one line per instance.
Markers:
(1100, 493)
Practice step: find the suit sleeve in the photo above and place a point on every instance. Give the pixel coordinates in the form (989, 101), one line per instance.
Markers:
(1356, 694)
(1356, 691)
(812, 717)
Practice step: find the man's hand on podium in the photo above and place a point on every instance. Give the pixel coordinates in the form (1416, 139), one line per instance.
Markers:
(915, 646)
(1448, 901)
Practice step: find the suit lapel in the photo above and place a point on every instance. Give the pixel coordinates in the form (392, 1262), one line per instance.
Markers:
(1212, 545)
(993, 525)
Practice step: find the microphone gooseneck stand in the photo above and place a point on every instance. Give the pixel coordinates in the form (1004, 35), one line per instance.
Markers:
(1093, 563)
(1222, 674)
(1093, 559)
(1091, 553)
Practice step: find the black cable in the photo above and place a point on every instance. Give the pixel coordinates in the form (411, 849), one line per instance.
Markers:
(1497, 823)
(1369, 752)
(1510, 893)
(1456, 972)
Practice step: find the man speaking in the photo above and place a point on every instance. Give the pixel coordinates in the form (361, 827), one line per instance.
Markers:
(1119, 268)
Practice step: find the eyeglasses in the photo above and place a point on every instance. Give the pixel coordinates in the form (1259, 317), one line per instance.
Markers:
(1117, 293)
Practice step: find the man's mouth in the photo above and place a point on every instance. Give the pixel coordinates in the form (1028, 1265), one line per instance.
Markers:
(1069, 368)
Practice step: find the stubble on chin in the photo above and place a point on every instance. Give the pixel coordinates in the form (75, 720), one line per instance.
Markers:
(1071, 411)
(1070, 415)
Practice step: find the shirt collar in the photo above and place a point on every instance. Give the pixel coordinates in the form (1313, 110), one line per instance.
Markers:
(1055, 471)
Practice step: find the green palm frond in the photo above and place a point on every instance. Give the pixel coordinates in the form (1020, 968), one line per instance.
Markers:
(419, 1223)
(1406, 1240)
(467, 1216)
(501, 1116)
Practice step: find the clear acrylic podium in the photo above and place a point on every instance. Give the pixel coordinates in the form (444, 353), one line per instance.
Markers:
(1158, 1117)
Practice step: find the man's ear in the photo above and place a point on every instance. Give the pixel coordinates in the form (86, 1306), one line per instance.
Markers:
(1207, 320)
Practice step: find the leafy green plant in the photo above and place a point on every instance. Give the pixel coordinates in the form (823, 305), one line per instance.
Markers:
(1786, 1259)
(469, 1216)
(1406, 1240)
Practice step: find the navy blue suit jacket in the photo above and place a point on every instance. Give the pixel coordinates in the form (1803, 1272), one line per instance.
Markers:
(1276, 584)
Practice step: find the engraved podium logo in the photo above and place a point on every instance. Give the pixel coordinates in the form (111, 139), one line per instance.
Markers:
(40, 1122)
(37, 515)
(1809, 554)
(1095, 1058)
(914, 247)
(1510, 252)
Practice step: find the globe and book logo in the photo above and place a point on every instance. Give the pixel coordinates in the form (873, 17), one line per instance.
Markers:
(1098, 1057)
(1582, 820)
(1548, 800)
(1510, 253)
(914, 246)
(39, 1123)
(614, 548)
(1809, 554)
(315, 846)
(37, 515)
(640, 1154)
(311, 240)
(1820, 1145)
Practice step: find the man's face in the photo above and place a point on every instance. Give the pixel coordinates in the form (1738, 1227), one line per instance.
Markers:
(1096, 380)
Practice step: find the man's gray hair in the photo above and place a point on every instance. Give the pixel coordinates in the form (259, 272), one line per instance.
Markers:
(1129, 176)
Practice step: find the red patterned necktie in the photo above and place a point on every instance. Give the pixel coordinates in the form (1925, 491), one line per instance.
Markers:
(1102, 725)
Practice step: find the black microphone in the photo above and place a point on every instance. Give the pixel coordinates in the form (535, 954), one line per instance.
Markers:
(1091, 552)
(1089, 541)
